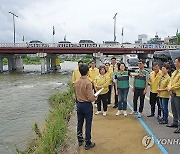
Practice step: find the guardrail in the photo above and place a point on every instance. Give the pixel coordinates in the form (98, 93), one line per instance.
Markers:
(83, 45)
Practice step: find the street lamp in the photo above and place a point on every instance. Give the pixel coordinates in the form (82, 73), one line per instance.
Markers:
(14, 25)
(115, 26)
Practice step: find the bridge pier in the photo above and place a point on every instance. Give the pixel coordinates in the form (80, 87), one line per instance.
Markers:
(150, 60)
(1, 64)
(42, 65)
(55, 62)
(48, 62)
(15, 63)
(97, 56)
(18, 63)
(124, 58)
(10, 63)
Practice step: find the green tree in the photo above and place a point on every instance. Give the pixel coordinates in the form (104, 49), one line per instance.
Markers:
(178, 39)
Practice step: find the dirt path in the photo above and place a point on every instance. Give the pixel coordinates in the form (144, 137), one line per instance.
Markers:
(116, 135)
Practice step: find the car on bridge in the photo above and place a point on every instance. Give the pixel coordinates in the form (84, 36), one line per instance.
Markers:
(65, 44)
(87, 43)
(111, 43)
(37, 43)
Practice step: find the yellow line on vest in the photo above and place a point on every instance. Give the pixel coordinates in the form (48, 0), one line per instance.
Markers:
(170, 114)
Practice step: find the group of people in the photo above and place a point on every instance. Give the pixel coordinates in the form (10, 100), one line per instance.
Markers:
(87, 81)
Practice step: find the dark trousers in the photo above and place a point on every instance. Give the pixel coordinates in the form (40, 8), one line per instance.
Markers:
(109, 95)
(102, 98)
(175, 106)
(116, 96)
(138, 93)
(84, 112)
(153, 100)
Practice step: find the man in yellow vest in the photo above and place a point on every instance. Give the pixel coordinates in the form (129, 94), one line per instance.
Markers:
(76, 74)
(114, 68)
(93, 71)
(174, 89)
(154, 79)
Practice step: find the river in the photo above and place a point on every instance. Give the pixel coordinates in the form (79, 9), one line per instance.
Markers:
(23, 101)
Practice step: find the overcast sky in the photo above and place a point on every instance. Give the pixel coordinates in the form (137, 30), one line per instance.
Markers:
(88, 19)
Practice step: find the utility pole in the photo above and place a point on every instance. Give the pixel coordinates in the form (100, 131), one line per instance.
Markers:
(115, 26)
(14, 26)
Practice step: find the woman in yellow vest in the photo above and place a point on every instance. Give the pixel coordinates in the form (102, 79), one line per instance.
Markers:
(109, 74)
(102, 81)
(163, 93)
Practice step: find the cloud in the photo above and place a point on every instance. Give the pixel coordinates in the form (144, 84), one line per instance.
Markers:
(83, 19)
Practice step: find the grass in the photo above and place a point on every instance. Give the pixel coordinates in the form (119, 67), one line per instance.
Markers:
(51, 139)
(31, 60)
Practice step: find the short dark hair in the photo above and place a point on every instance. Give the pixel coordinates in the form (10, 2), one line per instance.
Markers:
(83, 69)
(92, 61)
(113, 58)
(101, 67)
(141, 60)
(107, 63)
(80, 61)
(178, 58)
(119, 64)
(167, 66)
(155, 63)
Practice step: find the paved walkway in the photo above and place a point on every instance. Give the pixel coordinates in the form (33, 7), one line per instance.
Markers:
(116, 135)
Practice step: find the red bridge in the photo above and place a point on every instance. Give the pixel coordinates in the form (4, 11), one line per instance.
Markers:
(23, 48)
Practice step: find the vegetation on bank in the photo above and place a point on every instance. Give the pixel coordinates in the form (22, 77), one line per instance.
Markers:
(5, 61)
(31, 60)
(50, 140)
(86, 59)
(28, 60)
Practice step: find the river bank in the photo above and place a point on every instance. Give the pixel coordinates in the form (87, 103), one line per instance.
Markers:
(55, 128)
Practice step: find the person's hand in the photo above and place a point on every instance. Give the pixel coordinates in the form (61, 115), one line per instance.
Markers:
(99, 87)
(116, 92)
(141, 75)
(158, 90)
(145, 91)
(133, 89)
(168, 89)
(170, 92)
(96, 97)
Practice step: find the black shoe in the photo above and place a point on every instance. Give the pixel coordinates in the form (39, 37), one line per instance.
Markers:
(177, 130)
(163, 122)
(80, 143)
(172, 125)
(89, 146)
(151, 115)
(114, 106)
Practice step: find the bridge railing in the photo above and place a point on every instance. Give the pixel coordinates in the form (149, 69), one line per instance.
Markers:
(85, 45)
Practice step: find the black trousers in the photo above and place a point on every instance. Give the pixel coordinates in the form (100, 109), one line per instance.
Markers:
(116, 96)
(138, 93)
(84, 112)
(153, 100)
(102, 98)
(109, 95)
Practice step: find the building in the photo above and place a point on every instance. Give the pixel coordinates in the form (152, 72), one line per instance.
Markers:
(155, 40)
(173, 40)
(142, 38)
